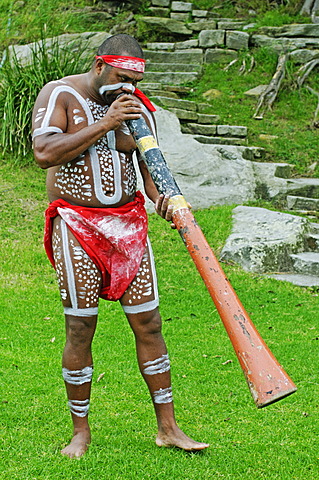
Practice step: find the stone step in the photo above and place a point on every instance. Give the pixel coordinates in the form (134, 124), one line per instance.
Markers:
(173, 67)
(199, 128)
(216, 130)
(156, 86)
(191, 55)
(191, 116)
(306, 263)
(187, 115)
(303, 187)
(175, 103)
(171, 102)
(302, 203)
(219, 140)
(159, 93)
(170, 77)
(297, 279)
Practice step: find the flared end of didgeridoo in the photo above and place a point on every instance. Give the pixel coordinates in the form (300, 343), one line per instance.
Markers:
(268, 398)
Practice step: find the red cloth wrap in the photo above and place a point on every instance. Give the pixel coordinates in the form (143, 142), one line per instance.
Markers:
(114, 239)
(144, 99)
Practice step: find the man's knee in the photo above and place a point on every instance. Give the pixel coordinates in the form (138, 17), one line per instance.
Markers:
(147, 323)
(80, 330)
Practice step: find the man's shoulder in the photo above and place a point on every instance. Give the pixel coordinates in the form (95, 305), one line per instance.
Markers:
(66, 86)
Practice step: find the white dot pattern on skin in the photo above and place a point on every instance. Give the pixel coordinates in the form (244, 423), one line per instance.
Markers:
(129, 180)
(59, 263)
(141, 288)
(86, 274)
(75, 178)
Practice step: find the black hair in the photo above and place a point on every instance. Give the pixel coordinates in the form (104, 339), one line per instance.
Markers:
(120, 44)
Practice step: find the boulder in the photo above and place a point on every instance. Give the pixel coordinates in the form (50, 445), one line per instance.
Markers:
(181, 6)
(237, 40)
(211, 38)
(220, 55)
(161, 3)
(262, 240)
(294, 30)
(284, 43)
(169, 24)
(89, 41)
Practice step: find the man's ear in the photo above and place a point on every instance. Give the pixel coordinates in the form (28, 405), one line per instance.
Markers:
(99, 66)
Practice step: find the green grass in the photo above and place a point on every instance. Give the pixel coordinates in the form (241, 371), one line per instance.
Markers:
(212, 401)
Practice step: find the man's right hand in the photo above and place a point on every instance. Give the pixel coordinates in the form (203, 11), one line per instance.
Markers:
(124, 108)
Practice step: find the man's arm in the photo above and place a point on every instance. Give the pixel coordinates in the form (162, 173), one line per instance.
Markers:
(160, 201)
(52, 149)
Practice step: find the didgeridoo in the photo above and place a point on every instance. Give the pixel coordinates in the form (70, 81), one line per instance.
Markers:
(266, 379)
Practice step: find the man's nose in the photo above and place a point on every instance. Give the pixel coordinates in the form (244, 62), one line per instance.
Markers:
(128, 88)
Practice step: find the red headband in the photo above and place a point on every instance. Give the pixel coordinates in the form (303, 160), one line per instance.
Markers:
(127, 63)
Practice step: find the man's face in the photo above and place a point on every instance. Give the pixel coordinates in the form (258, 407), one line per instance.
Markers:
(114, 81)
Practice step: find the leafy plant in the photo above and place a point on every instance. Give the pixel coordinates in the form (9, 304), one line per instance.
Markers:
(20, 85)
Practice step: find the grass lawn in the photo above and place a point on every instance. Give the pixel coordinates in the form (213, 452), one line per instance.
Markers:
(212, 400)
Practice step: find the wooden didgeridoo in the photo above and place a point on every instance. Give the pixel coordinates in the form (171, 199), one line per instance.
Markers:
(266, 379)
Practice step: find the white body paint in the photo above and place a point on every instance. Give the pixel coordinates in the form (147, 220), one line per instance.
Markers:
(116, 86)
(77, 377)
(160, 365)
(80, 408)
(163, 395)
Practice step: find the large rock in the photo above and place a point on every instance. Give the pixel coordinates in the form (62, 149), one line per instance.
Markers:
(211, 38)
(87, 42)
(220, 55)
(262, 240)
(168, 24)
(303, 55)
(286, 44)
(294, 30)
(237, 40)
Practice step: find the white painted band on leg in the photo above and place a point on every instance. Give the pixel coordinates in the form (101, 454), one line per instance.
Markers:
(81, 312)
(163, 395)
(80, 408)
(77, 377)
(160, 365)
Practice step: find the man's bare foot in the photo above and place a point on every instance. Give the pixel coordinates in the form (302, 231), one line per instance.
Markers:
(79, 444)
(177, 438)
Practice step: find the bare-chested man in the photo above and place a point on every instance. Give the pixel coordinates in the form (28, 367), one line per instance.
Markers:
(96, 226)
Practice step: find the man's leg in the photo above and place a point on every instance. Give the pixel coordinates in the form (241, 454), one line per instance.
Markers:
(77, 368)
(139, 304)
(79, 283)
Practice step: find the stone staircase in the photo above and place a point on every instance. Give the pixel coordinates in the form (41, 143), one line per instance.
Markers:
(303, 196)
(304, 269)
(163, 82)
(171, 66)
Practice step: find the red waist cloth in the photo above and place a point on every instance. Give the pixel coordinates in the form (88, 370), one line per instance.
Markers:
(114, 239)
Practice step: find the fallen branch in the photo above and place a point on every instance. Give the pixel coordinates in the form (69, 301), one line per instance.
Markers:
(230, 65)
(315, 122)
(270, 93)
(305, 71)
(243, 69)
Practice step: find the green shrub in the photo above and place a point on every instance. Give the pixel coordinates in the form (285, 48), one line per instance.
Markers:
(20, 85)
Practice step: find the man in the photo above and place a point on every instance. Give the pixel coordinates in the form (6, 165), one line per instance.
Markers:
(96, 225)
